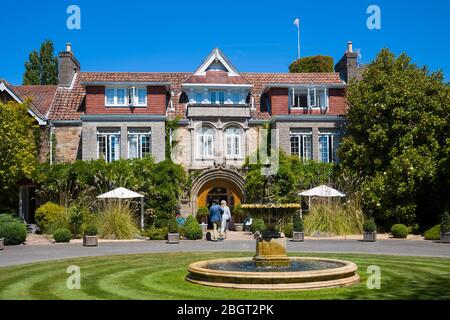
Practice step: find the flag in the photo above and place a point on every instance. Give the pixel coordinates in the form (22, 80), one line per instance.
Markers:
(297, 22)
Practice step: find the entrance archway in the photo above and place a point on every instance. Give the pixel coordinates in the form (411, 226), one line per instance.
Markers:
(217, 184)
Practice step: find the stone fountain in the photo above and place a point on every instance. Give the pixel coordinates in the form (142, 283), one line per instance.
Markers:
(271, 268)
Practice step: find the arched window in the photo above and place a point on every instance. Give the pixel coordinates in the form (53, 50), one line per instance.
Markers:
(233, 142)
(205, 139)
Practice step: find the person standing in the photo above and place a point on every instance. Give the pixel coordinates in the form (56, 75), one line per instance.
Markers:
(226, 217)
(215, 217)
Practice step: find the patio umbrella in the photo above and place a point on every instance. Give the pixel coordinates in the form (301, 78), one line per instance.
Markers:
(321, 191)
(123, 193)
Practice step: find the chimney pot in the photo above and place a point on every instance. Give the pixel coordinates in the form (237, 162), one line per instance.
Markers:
(350, 47)
(68, 47)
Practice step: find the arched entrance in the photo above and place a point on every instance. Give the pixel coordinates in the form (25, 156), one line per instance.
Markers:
(217, 184)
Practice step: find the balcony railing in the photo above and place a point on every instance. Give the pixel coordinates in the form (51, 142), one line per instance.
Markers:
(215, 110)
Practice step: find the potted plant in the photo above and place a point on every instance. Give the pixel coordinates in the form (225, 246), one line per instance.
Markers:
(445, 228)
(297, 226)
(370, 231)
(90, 238)
(2, 243)
(238, 217)
(173, 236)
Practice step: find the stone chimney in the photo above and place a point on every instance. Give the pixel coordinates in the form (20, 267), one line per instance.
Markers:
(348, 65)
(68, 66)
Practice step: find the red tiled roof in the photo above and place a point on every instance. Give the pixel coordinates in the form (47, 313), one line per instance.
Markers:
(69, 103)
(41, 97)
(216, 77)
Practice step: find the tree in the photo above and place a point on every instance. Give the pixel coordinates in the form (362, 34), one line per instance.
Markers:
(312, 64)
(42, 68)
(18, 144)
(398, 140)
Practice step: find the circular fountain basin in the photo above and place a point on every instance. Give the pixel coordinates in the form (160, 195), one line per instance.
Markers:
(302, 273)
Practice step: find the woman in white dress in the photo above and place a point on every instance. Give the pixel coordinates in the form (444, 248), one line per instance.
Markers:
(226, 217)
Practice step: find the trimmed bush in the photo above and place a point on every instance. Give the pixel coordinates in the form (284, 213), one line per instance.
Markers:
(445, 222)
(51, 216)
(62, 235)
(369, 226)
(288, 230)
(312, 64)
(154, 233)
(297, 223)
(433, 233)
(191, 219)
(202, 215)
(257, 225)
(12, 230)
(399, 231)
(90, 230)
(192, 230)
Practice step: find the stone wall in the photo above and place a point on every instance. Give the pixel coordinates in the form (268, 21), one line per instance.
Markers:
(68, 143)
(89, 137)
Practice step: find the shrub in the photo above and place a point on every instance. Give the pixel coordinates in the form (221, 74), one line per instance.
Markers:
(445, 223)
(333, 217)
(77, 216)
(238, 214)
(12, 230)
(116, 221)
(257, 225)
(62, 235)
(414, 229)
(192, 230)
(191, 219)
(399, 231)
(312, 64)
(173, 226)
(154, 233)
(369, 226)
(297, 223)
(51, 216)
(202, 215)
(433, 233)
(288, 230)
(90, 230)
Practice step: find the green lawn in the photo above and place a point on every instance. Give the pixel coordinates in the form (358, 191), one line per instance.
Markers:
(161, 276)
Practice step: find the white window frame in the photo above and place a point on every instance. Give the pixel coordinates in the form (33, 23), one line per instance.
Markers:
(205, 139)
(312, 97)
(139, 133)
(333, 142)
(131, 98)
(235, 135)
(302, 135)
(108, 133)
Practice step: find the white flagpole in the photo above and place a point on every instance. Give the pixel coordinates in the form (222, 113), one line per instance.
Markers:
(298, 31)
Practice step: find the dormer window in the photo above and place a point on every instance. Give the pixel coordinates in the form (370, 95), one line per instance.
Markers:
(313, 98)
(130, 96)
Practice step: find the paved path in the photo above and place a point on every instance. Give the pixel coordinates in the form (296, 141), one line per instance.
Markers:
(14, 255)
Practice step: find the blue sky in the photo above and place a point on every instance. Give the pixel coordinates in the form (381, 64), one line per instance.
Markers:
(256, 35)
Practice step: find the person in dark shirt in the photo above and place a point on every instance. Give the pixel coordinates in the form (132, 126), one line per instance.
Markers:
(215, 217)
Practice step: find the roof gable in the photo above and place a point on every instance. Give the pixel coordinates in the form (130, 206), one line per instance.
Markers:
(216, 61)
